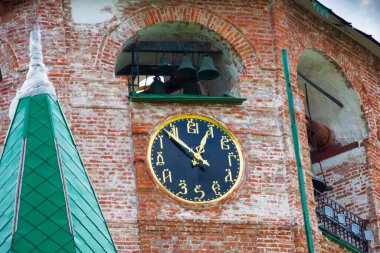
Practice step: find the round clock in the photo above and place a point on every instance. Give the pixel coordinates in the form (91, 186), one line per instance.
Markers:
(195, 159)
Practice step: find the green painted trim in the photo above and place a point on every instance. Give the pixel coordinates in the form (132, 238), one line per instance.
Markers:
(26, 117)
(48, 102)
(66, 124)
(185, 99)
(330, 235)
(309, 235)
(321, 8)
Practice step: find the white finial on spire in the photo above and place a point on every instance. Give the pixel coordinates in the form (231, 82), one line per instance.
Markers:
(37, 81)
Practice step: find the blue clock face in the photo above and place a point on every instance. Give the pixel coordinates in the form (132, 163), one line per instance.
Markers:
(195, 159)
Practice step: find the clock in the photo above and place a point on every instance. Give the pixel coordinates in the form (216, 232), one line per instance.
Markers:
(195, 159)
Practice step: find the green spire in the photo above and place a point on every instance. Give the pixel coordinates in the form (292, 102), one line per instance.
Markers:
(47, 203)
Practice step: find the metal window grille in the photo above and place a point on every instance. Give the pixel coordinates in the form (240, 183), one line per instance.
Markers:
(342, 222)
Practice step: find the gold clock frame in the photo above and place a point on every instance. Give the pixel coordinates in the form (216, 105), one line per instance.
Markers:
(157, 182)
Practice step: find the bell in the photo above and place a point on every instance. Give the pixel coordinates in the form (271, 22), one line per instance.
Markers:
(207, 70)
(320, 185)
(191, 88)
(171, 82)
(157, 86)
(186, 68)
(165, 66)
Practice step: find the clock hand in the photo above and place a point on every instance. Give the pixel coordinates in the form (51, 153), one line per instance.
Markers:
(200, 148)
(179, 141)
(203, 142)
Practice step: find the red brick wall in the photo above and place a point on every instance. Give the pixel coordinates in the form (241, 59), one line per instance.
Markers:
(9, 64)
(214, 237)
(349, 176)
(264, 215)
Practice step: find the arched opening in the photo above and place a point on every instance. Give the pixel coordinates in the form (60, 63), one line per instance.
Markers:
(9, 62)
(336, 130)
(174, 40)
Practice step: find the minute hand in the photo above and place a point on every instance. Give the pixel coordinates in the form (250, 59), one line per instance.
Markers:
(179, 141)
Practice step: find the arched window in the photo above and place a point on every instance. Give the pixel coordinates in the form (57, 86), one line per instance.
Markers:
(336, 132)
(188, 60)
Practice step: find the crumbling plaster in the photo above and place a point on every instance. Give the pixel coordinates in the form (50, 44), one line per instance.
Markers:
(347, 123)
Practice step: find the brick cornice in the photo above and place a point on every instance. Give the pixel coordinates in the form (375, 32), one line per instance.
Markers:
(147, 16)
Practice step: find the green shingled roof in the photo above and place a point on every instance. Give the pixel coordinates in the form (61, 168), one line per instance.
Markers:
(40, 212)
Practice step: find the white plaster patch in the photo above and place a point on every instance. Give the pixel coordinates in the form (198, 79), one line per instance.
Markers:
(260, 207)
(97, 95)
(92, 11)
(270, 206)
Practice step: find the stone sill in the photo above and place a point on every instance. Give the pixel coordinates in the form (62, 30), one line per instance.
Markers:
(185, 99)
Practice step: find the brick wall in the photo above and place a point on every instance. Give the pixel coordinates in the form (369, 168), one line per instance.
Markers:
(349, 176)
(264, 215)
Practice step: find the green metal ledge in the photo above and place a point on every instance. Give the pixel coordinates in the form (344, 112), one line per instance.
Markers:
(330, 235)
(185, 99)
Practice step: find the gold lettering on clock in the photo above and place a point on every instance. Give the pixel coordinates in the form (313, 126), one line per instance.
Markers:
(183, 186)
(223, 142)
(216, 188)
(166, 174)
(230, 154)
(211, 130)
(228, 178)
(173, 130)
(192, 127)
(160, 159)
(198, 190)
(160, 137)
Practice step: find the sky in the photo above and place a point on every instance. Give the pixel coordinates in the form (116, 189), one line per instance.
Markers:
(363, 14)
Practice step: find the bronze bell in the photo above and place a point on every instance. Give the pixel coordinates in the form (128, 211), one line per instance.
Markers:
(171, 82)
(320, 184)
(157, 86)
(186, 68)
(165, 66)
(207, 70)
(191, 88)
